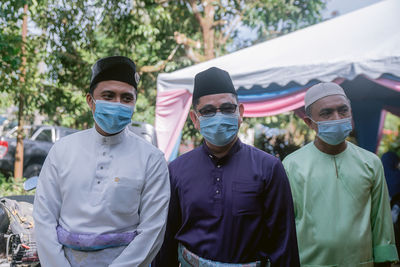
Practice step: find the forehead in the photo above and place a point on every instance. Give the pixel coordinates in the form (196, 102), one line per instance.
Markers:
(331, 101)
(115, 86)
(216, 99)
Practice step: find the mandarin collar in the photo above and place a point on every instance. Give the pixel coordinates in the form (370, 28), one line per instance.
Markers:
(109, 140)
(344, 152)
(235, 148)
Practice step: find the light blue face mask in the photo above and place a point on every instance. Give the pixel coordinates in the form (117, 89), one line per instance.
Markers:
(219, 129)
(334, 132)
(112, 117)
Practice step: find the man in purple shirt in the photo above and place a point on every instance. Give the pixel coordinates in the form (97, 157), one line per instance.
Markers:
(231, 203)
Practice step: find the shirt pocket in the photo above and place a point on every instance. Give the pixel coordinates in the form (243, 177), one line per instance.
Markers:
(123, 195)
(246, 199)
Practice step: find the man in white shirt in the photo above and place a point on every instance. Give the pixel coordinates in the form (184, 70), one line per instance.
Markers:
(103, 193)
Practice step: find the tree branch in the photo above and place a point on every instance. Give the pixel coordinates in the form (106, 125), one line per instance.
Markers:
(189, 45)
(206, 21)
(160, 2)
(227, 31)
(196, 11)
(219, 22)
(181, 38)
(193, 55)
(161, 64)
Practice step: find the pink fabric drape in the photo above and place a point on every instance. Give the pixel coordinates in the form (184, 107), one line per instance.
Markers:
(173, 106)
(274, 106)
(395, 85)
(171, 112)
(279, 105)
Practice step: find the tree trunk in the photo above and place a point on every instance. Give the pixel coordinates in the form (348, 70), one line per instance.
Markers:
(19, 150)
(208, 30)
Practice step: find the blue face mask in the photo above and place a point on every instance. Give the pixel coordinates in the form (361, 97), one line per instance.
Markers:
(112, 117)
(219, 129)
(334, 132)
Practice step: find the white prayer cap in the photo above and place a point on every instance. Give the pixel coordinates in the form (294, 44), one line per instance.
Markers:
(321, 90)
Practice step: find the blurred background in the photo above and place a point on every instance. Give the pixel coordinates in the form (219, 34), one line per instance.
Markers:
(47, 48)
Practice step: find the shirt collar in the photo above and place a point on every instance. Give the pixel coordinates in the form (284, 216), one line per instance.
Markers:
(109, 140)
(330, 155)
(220, 161)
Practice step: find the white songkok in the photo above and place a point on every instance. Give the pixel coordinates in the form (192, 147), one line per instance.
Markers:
(321, 90)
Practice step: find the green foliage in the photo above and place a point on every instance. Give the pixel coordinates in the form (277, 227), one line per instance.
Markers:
(296, 134)
(5, 100)
(9, 187)
(190, 133)
(391, 141)
(81, 32)
(279, 145)
(69, 36)
(278, 17)
(14, 82)
(10, 43)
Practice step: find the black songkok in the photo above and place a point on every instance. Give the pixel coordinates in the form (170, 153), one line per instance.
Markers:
(212, 81)
(117, 68)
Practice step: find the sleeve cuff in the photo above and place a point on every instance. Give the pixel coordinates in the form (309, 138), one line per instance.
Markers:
(385, 253)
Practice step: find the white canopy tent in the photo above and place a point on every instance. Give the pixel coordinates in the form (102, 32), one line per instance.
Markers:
(364, 42)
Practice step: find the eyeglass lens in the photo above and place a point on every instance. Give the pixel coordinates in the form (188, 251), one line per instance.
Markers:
(210, 110)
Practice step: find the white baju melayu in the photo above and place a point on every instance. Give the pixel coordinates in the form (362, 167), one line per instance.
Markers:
(95, 184)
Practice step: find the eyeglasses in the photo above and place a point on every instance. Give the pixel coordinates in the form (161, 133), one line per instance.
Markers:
(210, 110)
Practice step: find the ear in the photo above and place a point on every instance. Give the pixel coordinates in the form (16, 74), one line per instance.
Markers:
(307, 121)
(310, 124)
(194, 119)
(241, 112)
(89, 101)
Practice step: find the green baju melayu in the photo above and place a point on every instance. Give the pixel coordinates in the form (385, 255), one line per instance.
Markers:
(341, 206)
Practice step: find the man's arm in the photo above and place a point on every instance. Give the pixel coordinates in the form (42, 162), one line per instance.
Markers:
(168, 255)
(383, 241)
(46, 213)
(153, 211)
(279, 217)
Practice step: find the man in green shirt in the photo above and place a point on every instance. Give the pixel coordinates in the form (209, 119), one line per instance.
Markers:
(339, 192)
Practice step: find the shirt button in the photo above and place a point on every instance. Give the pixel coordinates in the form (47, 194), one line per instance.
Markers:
(218, 166)
(101, 167)
(217, 191)
(218, 179)
(98, 182)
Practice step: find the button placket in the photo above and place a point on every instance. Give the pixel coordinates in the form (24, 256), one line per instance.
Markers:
(102, 165)
(217, 181)
(217, 191)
